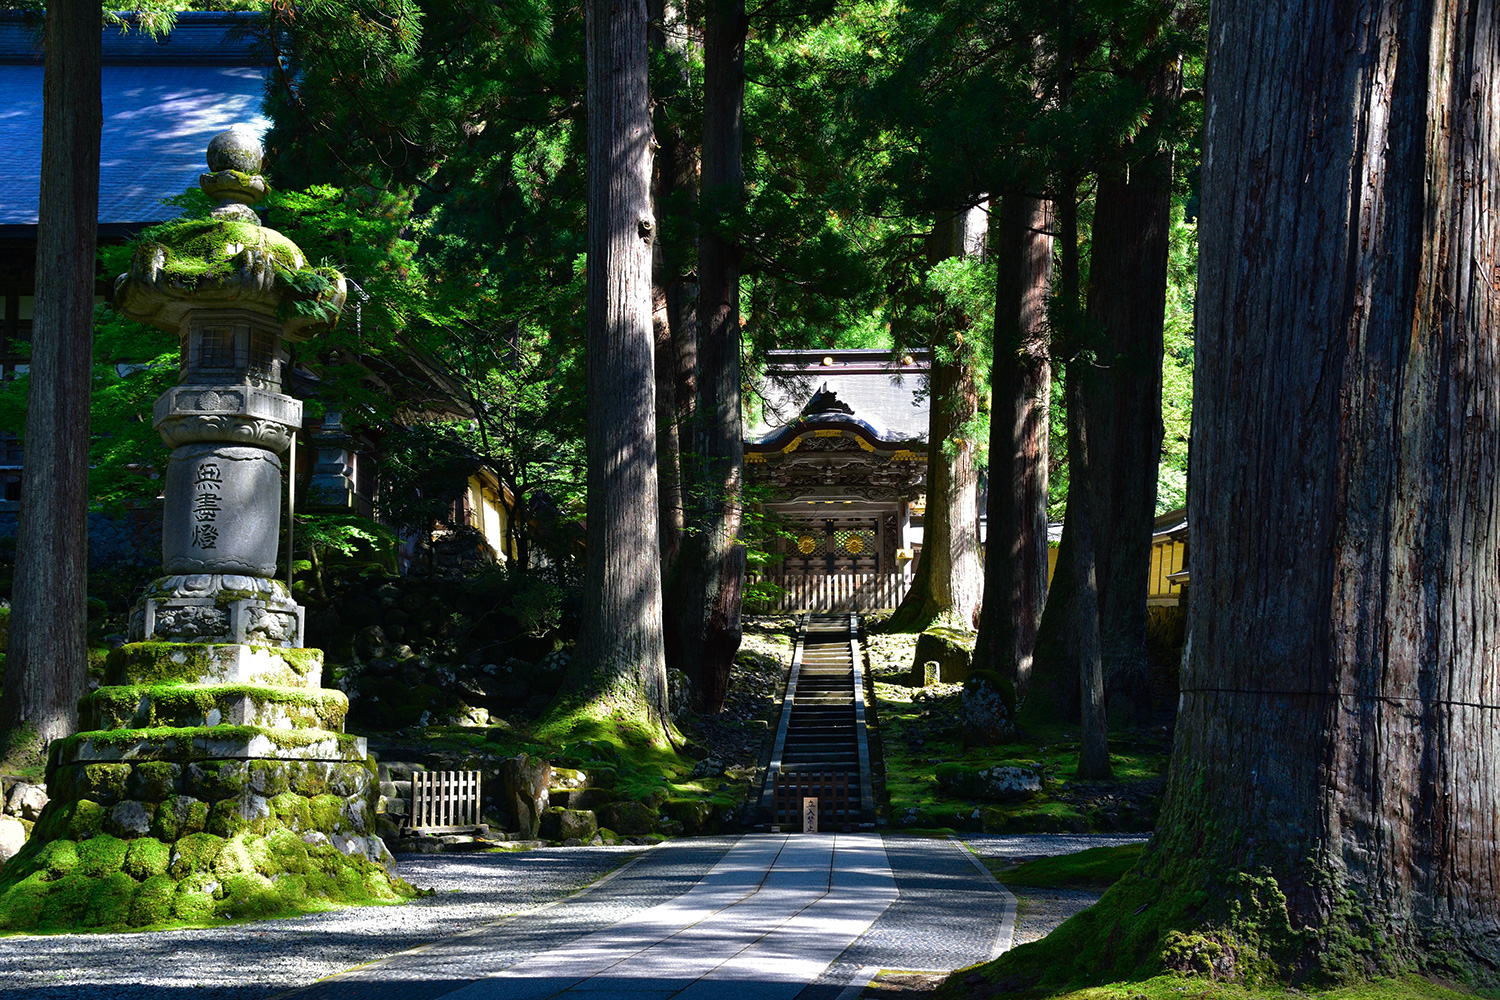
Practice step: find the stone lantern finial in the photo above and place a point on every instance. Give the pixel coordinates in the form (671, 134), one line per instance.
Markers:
(235, 160)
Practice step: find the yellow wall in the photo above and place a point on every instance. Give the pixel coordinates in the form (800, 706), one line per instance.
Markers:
(1167, 556)
(489, 516)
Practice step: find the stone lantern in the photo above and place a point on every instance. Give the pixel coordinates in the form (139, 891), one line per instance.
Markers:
(212, 772)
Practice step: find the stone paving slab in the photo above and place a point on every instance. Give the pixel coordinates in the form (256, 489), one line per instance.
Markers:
(815, 895)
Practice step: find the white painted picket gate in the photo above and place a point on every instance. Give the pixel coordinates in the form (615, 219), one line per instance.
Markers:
(833, 592)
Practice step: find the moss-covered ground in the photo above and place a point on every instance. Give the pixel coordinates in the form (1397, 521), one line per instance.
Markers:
(920, 733)
(1096, 868)
(1188, 988)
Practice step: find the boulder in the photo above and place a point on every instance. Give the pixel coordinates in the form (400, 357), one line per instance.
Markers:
(953, 651)
(524, 780)
(12, 837)
(987, 710)
(632, 819)
(692, 814)
(1000, 783)
(26, 801)
(569, 824)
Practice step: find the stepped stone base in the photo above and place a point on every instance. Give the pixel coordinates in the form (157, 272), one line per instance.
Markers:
(217, 785)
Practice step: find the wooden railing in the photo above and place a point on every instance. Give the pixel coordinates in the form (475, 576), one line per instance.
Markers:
(444, 801)
(832, 592)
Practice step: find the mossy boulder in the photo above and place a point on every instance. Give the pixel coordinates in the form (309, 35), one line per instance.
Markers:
(693, 814)
(569, 824)
(999, 783)
(951, 648)
(633, 819)
(987, 710)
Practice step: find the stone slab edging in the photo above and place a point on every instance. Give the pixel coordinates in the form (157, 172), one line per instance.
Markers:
(866, 780)
(788, 697)
(1006, 936)
(598, 883)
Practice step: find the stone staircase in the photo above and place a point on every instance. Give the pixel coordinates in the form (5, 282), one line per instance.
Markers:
(821, 749)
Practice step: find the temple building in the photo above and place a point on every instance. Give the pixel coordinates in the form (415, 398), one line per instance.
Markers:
(837, 449)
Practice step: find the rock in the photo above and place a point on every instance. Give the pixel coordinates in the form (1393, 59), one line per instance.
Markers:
(630, 818)
(953, 651)
(129, 819)
(987, 709)
(692, 814)
(590, 798)
(679, 695)
(26, 801)
(464, 715)
(569, 824)
(523, 781)
(12, 837)
(1001, 783)
(567, 777)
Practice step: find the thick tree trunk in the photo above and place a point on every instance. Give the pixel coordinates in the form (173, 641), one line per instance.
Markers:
(46, 671)
(948, 581)
(1127, 315)
(1093, 758)
(674, 194)
(1015, 551)
(719, 563)
(621, 657)
(1337, 730)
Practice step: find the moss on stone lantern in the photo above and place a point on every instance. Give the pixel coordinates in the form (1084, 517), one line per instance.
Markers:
(212, 778)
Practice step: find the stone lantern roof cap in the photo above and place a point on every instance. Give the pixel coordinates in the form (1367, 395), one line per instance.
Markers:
(229, 260)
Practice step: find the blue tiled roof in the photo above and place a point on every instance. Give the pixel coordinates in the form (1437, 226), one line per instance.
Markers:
(162, 104)
(889, 397)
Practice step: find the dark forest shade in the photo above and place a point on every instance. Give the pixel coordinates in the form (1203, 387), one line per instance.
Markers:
(46, 672)
(1339, 706)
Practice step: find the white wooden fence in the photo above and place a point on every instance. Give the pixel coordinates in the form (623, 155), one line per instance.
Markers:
(833, 592)
(444, 801)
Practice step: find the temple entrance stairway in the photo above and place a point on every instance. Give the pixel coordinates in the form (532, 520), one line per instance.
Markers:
(821, 750)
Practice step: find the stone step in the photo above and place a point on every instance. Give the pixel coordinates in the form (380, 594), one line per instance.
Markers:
(190, 743)
(213, 663)
(142, 706)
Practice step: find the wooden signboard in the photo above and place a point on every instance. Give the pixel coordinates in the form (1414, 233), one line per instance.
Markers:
(809, 815)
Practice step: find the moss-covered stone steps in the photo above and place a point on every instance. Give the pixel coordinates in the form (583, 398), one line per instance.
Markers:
(147, 706)
(213, 663)
(112, 883)
(192, 743)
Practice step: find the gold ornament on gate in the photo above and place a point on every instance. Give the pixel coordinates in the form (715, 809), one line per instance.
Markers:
(854, 545)
(806, 544)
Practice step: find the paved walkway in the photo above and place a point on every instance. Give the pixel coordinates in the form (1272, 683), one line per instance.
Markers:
(763, 924)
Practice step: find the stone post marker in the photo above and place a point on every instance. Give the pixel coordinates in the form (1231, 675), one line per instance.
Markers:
(212, 777)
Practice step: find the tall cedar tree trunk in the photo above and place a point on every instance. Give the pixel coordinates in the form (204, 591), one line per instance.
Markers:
(674, 318)
(1015, 552)
(1122, 401)
(46, 671)
(715, 559)
(621, 657)
(947, 583)
(1093, 758)
(1127, 305)
(1338, 714)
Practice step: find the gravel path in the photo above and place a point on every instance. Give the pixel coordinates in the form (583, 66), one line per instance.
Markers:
(260, 959)
(946, 917)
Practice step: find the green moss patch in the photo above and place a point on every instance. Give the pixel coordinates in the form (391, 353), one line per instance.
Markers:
(105, 883)
(1184, 988)
(199, 249)
(1095, 868)
(143, 706)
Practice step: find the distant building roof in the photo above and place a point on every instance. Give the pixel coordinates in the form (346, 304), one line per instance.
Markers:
(163, 101)
(887, 395)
